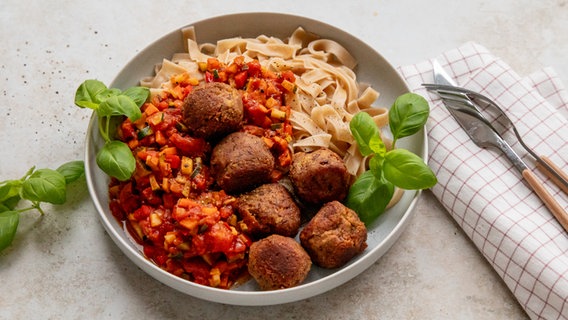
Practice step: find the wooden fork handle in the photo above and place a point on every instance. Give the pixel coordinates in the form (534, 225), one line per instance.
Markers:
(562, 185)
(557, 211)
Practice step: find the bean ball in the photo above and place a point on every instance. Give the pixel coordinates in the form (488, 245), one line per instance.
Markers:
(269, 209)
(334, 236)
(319, 176)
(241, 162)
(213, 110)
(278, 262)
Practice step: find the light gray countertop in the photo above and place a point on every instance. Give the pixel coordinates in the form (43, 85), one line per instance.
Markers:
(64, 265)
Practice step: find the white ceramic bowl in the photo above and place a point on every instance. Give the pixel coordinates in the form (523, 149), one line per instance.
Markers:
(372, 68)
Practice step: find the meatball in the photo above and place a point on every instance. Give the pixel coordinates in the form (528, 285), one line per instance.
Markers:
(213, 110)
(278, 262)
(240, 162)
(269, 209)
(319, 176)
(334, 236)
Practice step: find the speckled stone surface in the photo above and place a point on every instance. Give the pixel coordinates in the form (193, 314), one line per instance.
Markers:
(64, 266)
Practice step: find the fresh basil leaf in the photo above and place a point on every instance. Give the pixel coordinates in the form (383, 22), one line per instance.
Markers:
(407, 170)
(120, 105)
(363, 128)
(8, 225)
(9, 189)
(110, 92)
(45, 185)
(138, 94)
(87, 94)
(377, 145)
(4, 208)
(408, 115)
(369, 196)
(10, 194)
(116, 160)
(72, 170)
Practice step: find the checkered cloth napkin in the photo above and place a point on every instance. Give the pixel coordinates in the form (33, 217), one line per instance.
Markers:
(482, 190)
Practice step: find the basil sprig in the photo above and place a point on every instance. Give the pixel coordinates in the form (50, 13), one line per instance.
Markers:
(36, 186)
(115, 158)
(372, 191)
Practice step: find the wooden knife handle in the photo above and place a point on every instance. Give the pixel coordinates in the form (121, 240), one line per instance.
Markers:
(557, 211)
(549, 174)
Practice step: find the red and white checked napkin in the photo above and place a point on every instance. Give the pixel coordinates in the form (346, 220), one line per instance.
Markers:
(482, 190)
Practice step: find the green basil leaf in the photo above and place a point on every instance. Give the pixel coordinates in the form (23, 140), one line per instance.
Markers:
(369, 196)
(72, 170)
(120, 105)
(116, 160)
(138, 94)
(8, 225)
(10, 194)
(44, 185)
(110, 92)
(10, 189)
(363, 129)
(408, 115)
(377, 145)
(4, 208)
(87, 94)
(407, 170)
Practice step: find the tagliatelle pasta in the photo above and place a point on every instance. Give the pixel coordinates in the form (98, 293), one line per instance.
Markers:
(327, 96)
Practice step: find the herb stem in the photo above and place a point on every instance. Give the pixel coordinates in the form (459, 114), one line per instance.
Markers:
(104, 124)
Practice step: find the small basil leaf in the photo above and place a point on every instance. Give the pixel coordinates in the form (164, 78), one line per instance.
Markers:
(86, 95)
(408, 115)
(120, 105)
(9, 189)
(10, 203)
(138, 94)
(110, 92)
(10, 194)
(363, 128)
(369, 196)
(116, 160)
(8, 225)
(377, 145)
(45, 185)
(72, 170)
(407, 170)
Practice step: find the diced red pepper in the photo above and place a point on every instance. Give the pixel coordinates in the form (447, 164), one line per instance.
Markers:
(241, 79)
(174, 160)
(254, 68)
(189, 145)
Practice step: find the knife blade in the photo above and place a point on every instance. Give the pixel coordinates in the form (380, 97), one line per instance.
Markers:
(484, 135)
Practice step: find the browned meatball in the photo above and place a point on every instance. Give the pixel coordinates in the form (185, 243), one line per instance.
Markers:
(334, 236)
(213, 110)
(240, 162)
(278, 262)
(269, 209)
(319, 176)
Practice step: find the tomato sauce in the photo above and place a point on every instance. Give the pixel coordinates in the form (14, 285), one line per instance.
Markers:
(171, 205)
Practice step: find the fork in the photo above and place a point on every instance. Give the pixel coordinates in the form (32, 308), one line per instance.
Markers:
(467, 98)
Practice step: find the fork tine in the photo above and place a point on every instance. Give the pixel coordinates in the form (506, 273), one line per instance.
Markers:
(456, 96)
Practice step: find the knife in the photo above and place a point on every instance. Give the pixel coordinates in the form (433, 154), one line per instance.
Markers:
(484, 136)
